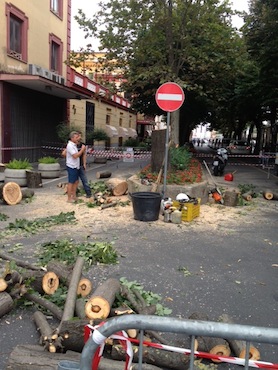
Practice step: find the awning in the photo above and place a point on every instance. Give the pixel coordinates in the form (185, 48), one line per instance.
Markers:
(123, 132)
(43, 85)
(111, 131)
(132, 132)
(145, 122)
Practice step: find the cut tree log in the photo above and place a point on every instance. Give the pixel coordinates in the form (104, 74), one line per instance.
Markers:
(6, 303)
(11, 193)
(239, 346)
(27, 193)
(65, 274)
(50, 283)
(45, 330)
(117, 186)
(80, 308)
(247, 196)
(19, 262)
(103, 175)
(215, 346)
(270, 195)
(72, 332)
(154, 356)
(100, 303)
(51, 307)
(72, 292)
(34, 357)
(3, 285)
(42, 282)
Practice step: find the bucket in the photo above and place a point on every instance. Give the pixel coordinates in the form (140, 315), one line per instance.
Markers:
(146, 205)
(68, 365)
(229, 177)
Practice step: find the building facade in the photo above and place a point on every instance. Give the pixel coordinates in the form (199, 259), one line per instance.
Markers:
(38, 90)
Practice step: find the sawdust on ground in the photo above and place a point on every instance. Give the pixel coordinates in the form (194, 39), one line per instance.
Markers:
(211, 215)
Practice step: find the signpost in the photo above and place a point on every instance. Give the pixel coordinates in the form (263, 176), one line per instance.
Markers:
(169, 97)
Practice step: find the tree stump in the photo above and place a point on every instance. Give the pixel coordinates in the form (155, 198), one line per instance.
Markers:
(11, 193)
(117, 186)
(99, 305)
(34, 179)
(230, 198)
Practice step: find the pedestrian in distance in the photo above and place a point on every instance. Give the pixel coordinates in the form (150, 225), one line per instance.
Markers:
(73, 164)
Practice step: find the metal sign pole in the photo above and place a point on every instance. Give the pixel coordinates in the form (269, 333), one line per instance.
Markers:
(166, 155)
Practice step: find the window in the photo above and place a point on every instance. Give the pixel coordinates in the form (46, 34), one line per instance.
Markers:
(56, 47)
(56, 6)
(17, 25)
(107, 121)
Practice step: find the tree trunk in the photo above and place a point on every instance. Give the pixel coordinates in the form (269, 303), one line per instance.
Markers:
(45, 330)
(32, 357)
(6, 303)
(239, 346)
(247, 196)
(72, 332)
(158, 149)
(72, 292)
(215, 346)
(27, 193)
(34, 179)
(42, 282)
(270, 195)
(11, 193)
(103, 175)
(154, 356)
(99, 305)
(117, 186)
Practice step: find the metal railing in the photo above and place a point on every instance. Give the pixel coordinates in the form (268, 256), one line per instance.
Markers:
(192, 328)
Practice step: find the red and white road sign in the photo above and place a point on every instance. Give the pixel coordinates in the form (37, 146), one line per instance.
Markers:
(169, 97)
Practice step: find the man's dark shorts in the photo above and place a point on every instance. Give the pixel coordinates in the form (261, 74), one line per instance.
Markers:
(72, 175)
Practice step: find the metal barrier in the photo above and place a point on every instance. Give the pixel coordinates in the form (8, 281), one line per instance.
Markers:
(192, 328)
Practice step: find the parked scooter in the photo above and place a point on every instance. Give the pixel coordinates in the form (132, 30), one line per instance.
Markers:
(219, 162)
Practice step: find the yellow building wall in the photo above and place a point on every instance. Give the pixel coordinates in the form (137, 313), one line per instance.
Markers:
(42, 22)
(102, 109)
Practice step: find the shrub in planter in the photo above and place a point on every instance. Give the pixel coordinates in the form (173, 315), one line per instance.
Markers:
(49, 167)
(16, 171)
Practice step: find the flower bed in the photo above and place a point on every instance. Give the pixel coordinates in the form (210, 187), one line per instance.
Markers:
(192, 174)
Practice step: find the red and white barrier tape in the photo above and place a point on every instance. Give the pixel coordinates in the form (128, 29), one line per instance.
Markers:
(126, 342)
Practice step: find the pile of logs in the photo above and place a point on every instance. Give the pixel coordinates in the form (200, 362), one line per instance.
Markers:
(66, 339)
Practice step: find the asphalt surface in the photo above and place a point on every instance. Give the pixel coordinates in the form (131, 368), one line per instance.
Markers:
(231, 266)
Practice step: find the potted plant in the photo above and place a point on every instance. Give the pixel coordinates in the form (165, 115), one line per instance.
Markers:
(15, 171)
(49, 167)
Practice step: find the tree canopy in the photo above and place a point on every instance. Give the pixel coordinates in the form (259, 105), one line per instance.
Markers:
(192, 43)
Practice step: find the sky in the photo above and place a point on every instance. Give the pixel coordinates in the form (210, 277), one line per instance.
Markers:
(89, 7)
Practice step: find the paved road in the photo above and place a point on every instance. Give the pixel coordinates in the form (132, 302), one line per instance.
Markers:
(230, 266)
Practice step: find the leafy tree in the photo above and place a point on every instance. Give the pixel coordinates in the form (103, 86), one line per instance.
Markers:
(261, 35)
(188, 42)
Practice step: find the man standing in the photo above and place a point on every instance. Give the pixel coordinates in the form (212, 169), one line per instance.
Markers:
(73, 164)
(82, 169)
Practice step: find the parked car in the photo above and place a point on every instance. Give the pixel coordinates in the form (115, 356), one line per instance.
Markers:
(239, 147)
(225, 142)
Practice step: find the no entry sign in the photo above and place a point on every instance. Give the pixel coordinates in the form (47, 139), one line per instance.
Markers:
(169, 97)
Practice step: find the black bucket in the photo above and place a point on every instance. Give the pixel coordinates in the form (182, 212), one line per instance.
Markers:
(146, 205)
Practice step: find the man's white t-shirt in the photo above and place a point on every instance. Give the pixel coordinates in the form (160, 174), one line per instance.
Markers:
(70, 161)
